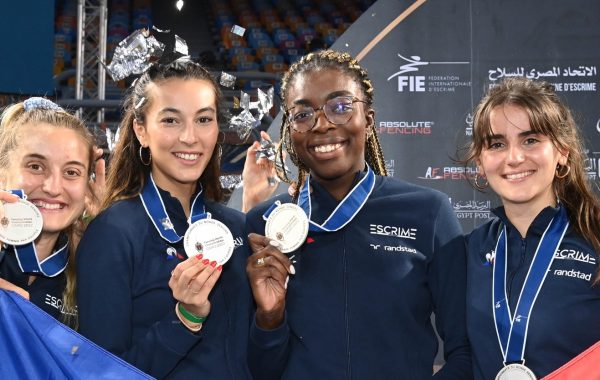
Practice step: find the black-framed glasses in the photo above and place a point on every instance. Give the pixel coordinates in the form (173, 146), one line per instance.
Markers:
(337, 111)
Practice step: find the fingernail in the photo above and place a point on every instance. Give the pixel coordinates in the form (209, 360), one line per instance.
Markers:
(199, 257)
(292, 269)
(213, 264)
(205, 261)
(275, 243)
(287, 279)
(220, 267)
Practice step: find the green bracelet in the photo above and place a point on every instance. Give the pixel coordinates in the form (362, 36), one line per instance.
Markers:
(189, 316)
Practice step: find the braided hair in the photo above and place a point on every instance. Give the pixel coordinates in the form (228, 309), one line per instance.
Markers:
(328, 59)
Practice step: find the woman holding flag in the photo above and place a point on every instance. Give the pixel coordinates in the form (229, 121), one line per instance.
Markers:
(46, 160)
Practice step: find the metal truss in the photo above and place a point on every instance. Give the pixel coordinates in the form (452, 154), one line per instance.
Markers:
(90, 81)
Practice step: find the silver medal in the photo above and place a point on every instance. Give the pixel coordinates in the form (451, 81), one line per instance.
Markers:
(515, 371)
(21, 224)
(288, 225)
(210, 238)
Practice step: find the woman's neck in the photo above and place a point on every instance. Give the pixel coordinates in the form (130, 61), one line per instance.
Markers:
(338, 187)
(45, 243)
(521, 216)
(181, 191)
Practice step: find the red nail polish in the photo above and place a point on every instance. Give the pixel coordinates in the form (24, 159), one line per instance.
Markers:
(213, 264)
(220, 268)
(199, 257)
(205, 261)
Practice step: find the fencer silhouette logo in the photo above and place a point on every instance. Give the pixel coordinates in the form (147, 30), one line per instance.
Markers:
(422, 83)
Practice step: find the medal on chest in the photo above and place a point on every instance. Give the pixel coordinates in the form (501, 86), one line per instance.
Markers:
(512, 327)
(205, 235)
(515, 371)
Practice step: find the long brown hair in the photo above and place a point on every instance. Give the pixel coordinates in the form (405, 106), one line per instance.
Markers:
(127, 174)
(343, 62)
(13, 120)
(548, 116)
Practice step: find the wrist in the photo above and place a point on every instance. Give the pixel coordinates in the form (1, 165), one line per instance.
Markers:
(191, 321)
(269, 320)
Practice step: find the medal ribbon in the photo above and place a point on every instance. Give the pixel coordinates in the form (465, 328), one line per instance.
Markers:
(156, 211)
(28, 260)
(512, 330)
(346, 210)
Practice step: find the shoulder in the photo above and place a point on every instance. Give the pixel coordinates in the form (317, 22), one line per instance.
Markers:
(230, 217)
(123, 217)
(397, 190)
(488, 230)
(258, 211)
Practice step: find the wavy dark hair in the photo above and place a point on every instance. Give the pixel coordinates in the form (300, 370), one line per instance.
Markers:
(127, 175)
(548, 116)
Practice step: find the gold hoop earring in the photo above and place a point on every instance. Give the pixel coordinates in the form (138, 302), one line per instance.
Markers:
(145, 163)
(221, 133)
(478, 184)
(558, 168)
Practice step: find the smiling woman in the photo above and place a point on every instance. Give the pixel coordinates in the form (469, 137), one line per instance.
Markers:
(532, 272)
(47, 154)
(355, 299)
(152, 289)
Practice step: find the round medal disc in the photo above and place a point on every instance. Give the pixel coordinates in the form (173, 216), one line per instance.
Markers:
(288, 225)
(515, 371)
(21, 224)
(210, 238)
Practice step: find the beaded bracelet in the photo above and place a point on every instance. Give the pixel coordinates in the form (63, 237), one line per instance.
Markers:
(189, 316)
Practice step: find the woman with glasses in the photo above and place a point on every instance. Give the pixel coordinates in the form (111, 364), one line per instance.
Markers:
(352, 298)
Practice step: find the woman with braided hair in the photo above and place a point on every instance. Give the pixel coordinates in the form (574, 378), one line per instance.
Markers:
(354, 300)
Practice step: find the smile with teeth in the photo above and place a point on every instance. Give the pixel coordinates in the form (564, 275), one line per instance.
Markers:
(187, 156)
(327, 148)
(519, 175)
(48, 206)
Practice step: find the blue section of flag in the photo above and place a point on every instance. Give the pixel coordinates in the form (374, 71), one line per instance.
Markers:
(33, 345)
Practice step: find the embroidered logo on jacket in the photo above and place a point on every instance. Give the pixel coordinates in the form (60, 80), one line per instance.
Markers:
(571, 254)
(396, 231)
(238, 242)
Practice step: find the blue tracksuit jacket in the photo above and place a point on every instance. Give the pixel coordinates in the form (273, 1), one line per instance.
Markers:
(360, 303)
(564, 320)
(127, 307)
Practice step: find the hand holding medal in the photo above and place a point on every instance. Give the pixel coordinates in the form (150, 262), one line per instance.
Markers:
(268, 271)
(192, 281)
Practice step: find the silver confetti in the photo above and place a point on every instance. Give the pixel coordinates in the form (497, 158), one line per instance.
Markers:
(236, 29)
(227, 80)
(133, 54)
